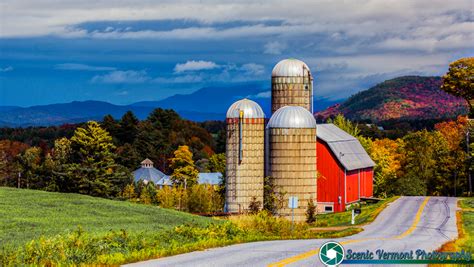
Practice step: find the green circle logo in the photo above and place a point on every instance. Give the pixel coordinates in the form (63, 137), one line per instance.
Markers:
(331, 253)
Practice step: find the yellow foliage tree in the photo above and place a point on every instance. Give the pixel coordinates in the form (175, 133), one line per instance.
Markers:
(459, 81)
(184, 170)
(387, 157)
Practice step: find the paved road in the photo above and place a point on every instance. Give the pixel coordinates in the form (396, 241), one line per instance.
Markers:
(409, 223)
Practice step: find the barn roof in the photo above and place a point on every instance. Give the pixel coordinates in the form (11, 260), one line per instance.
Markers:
(345, 147)
(149, 174)
(212, 178)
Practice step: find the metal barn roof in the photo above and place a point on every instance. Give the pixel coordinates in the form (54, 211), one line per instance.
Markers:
(148, 174)
(290, 68)
(345, 147)
(292, 117)
(250, 108)
(212, 178)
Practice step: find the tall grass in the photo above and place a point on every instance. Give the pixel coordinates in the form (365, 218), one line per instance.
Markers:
(119, 247)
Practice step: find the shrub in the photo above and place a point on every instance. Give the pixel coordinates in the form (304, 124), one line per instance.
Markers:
(254, 205)
(311, 212)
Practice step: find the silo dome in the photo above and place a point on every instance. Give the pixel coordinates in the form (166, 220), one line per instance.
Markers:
(292, 117)
(251, 109)
(290, 68)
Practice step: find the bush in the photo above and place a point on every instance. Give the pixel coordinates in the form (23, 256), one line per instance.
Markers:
(311, 212)
(254, 206)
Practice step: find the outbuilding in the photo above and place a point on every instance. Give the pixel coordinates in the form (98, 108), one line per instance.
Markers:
(345, 170)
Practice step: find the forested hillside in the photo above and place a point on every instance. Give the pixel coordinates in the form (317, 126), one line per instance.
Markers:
(406, 98)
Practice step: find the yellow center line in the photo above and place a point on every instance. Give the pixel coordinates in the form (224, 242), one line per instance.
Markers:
(313, 252)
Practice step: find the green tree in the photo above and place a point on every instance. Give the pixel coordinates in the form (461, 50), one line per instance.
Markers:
(128, 129)
(424, 159)
(217, 163)
(345, 124)
(459, 81)
(112, 126)
(200, 199)
(128, 156)
(184, 171)
(92, 169)
(273, 196)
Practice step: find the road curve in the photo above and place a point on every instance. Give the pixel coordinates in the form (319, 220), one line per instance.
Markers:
(409, 223)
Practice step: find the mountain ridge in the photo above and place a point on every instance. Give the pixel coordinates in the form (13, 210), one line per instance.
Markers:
(402, 98)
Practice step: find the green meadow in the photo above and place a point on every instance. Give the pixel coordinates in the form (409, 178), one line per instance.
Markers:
(28, 214)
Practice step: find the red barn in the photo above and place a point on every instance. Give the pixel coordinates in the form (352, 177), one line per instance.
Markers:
(345, 169)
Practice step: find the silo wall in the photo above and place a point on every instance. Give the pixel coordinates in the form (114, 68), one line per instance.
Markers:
(292, 91)
(293, 167)
(245, 173)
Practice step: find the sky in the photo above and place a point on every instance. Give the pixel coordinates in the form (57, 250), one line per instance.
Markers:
(127, 51)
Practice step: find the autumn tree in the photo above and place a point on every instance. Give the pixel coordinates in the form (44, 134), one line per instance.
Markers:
(387, 157)
(454, 163)
(184, 171)
(9, 169)
(30, 164)
(459, 81)
(425, 164)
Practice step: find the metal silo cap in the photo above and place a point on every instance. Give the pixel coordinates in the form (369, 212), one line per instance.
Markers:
(292, 117)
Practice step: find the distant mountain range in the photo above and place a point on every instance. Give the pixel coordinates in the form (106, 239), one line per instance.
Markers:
(404, 98)
(210, 103)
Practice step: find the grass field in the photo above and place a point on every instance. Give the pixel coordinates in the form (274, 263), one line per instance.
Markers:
(28, 214)
(44, 228)
(369, 213)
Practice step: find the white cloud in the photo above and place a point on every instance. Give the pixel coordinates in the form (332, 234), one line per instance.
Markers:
(192, 65)
(274, 48)
(266, 94)
(253, 69)
(84, 67)
(188, 78)
(300, 17)
(6, 69)
(119, 76)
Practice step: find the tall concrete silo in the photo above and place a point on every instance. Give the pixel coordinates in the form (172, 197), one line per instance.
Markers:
(245, 154)
(292, 85)
(292, 157)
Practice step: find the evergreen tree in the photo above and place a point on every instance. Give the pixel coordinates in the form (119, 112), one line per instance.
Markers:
(128, 128)
(112, 126)
(93, 170)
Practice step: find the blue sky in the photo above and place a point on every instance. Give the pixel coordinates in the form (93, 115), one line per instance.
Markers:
(128, 51)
